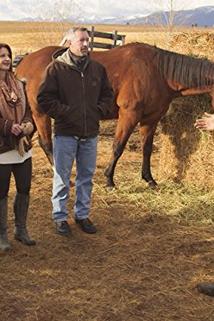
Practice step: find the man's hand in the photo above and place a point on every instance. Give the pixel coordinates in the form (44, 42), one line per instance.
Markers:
(23, 142)
(16, 129)
(206, 122)
(27, 128)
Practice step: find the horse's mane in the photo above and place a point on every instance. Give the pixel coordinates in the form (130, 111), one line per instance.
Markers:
(191, 72)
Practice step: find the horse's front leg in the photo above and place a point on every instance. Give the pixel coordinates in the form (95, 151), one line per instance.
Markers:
(118, 148)
(42, 121)
(125, 126)
(147, 133)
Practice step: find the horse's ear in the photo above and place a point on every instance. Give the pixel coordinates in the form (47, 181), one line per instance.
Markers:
(65, 42)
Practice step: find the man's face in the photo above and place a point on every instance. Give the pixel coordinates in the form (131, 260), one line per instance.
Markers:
(80, 44)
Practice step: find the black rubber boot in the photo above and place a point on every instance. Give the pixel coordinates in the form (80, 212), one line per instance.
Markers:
(21, 205)
(206, 288)
(4, 244)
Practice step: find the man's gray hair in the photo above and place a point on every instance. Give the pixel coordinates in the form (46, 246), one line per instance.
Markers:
(70, 34)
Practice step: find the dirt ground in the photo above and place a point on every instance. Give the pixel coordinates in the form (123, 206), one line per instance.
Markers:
(141, 265)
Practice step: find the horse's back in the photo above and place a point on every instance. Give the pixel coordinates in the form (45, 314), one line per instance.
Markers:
(123, 66)
(115, 60)
(33, 66)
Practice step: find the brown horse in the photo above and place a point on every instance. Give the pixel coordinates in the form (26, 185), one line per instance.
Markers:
(145, 80)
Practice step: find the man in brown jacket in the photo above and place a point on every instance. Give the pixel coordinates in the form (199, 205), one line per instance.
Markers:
(76, 93)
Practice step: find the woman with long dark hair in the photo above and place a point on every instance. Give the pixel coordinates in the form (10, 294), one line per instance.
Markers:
(16, 128)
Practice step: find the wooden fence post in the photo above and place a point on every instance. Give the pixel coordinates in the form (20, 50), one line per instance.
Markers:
(115, 38)
(123, 39)
(92, 38)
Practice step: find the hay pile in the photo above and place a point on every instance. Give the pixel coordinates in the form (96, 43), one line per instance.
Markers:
(194, 43)
(186, 153)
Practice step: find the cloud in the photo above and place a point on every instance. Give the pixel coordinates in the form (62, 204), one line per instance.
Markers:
(47, 9)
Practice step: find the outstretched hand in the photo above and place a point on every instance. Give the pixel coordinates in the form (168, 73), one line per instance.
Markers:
(206, 122)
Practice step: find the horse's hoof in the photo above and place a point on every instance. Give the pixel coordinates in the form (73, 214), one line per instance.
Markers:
(110, 184)
(153, 185)
(110, 188)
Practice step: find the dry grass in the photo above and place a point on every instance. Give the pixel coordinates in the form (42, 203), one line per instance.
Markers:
(30, 36)
(185, 153)
(152, 247)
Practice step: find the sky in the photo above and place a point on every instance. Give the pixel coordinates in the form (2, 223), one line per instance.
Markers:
(16, 9)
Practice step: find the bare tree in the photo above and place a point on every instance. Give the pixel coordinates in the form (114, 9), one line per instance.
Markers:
(167, 11)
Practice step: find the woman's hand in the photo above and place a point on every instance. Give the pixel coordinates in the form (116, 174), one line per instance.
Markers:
(16, 129)
(27, 128)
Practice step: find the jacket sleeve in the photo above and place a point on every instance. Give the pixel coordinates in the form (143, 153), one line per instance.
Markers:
(106, 96)
(5, 126)
(48, 96)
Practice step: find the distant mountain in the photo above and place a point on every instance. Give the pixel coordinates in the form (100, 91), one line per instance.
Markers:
(112, 20)
(203, 16)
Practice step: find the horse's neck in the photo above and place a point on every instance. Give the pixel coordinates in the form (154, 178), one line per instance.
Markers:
(185, 74)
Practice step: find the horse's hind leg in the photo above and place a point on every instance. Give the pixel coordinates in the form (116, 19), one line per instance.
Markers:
(125, 126)
(43, 125)
(147, 134)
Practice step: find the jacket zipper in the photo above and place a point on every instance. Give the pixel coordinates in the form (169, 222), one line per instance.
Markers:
(84, 105)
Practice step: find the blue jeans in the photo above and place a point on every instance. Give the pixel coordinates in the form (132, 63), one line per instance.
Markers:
(66, 149)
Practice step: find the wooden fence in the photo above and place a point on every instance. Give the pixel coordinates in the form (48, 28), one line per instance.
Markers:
(114, 36)
(117, 40)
